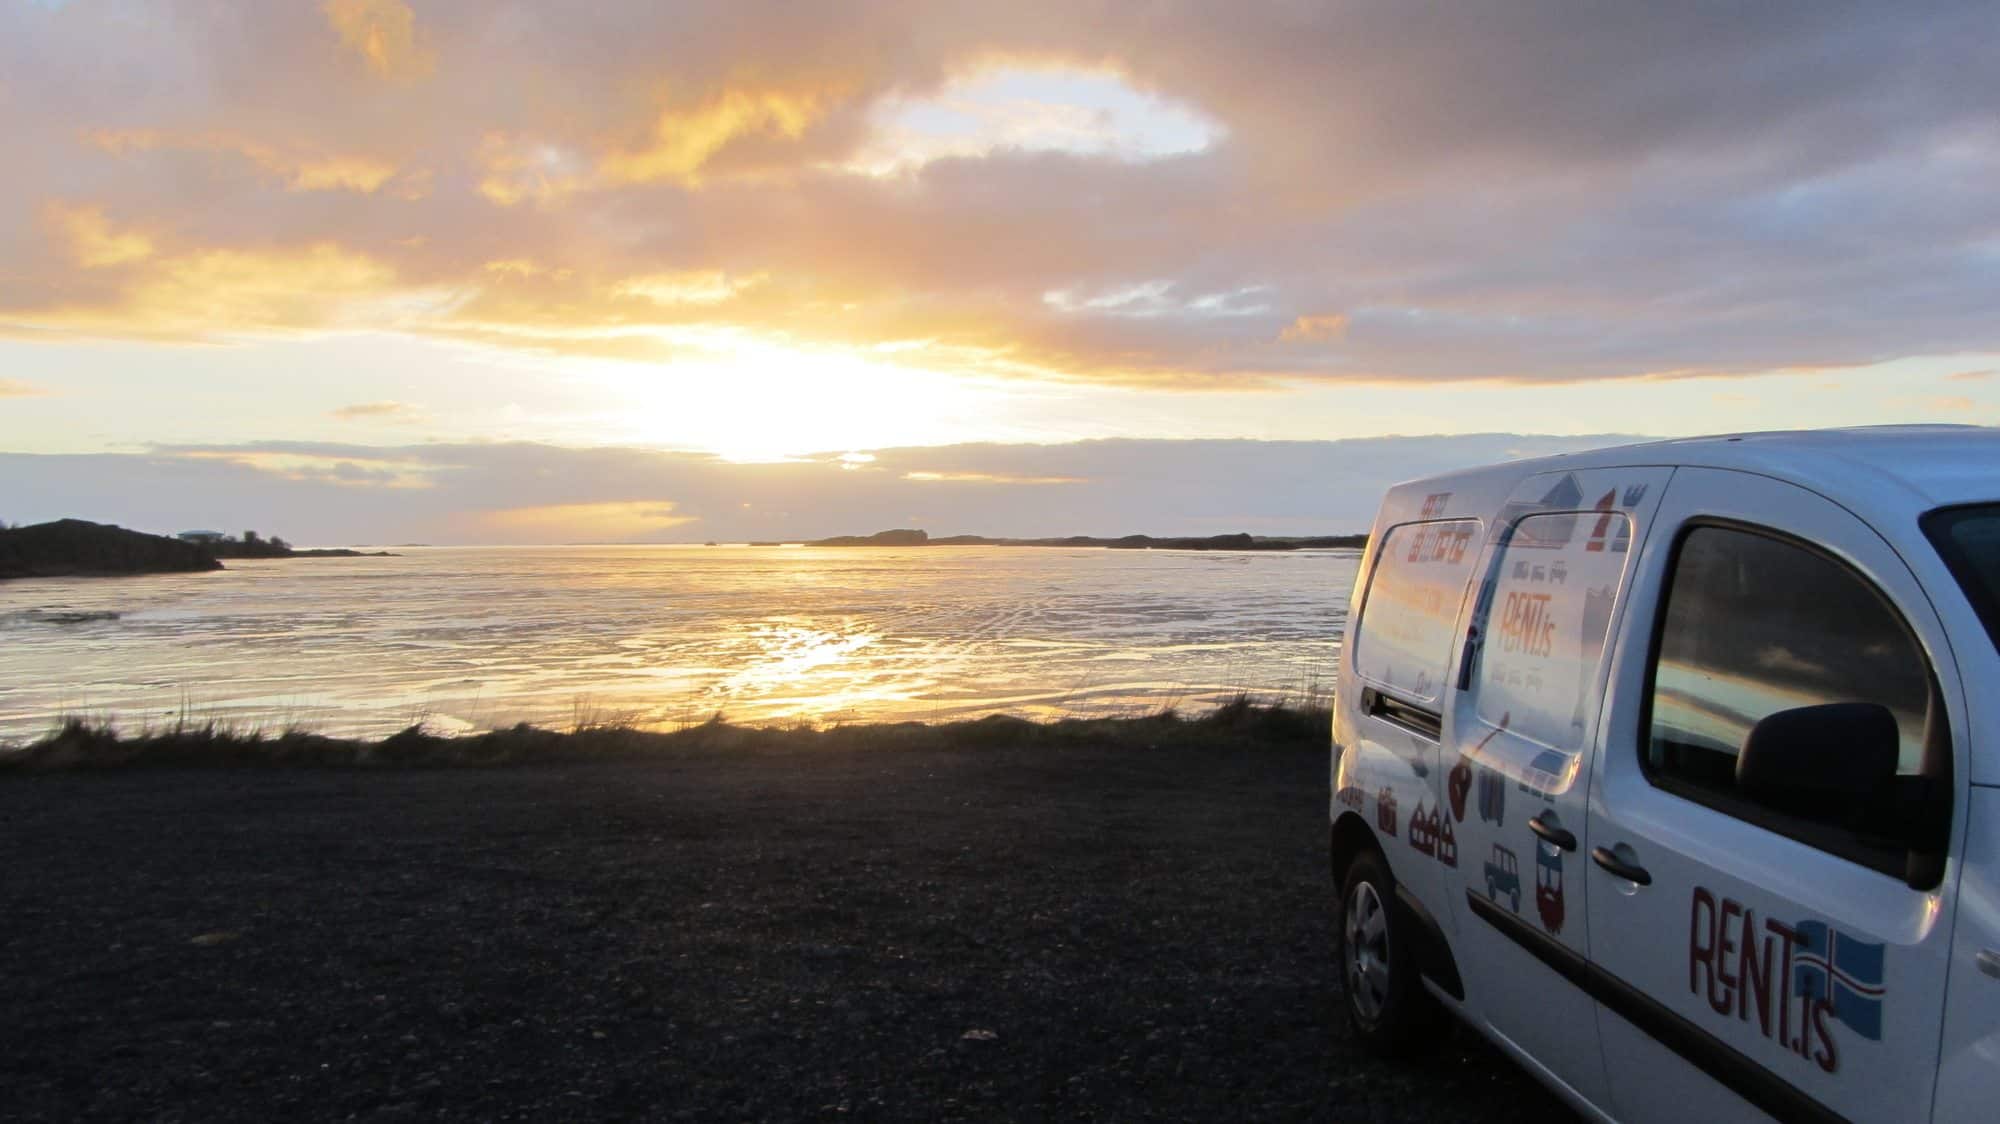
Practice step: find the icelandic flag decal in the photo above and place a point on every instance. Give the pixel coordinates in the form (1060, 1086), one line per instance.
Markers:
(1833, 965)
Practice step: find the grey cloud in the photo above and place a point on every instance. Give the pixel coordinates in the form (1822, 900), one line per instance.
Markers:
(1538, 191)
(329, 493)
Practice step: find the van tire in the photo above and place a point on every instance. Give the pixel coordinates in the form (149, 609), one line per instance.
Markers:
(1378, 948)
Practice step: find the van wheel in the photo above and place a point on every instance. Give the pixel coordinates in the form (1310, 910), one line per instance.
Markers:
(1387, 1006)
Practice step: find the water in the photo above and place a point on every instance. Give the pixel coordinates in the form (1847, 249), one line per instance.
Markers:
(471, 638)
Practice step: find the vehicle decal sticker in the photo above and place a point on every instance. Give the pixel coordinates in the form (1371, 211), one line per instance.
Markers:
(1424, 829)
(1385, 810)
(1457, 785)
(1549, 886)
(1492, 786)
(1791, 982)
(1503, 876)
(1447, 839)
(1350, 796)
(1435, 504)
(1492, 796)
(1846, 972)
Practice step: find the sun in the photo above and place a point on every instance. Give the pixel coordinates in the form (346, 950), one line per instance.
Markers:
(749, 400)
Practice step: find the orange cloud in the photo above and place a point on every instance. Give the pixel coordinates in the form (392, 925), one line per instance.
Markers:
(684, 141)
(93, 242)
(300, 172)
(987, 478)
(382, 32)
(205, 293)
(15, 388)
(624, 519)
(1330, 326)
(372, 410)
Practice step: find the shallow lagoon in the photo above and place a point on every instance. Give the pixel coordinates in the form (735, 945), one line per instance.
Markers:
(468, 638)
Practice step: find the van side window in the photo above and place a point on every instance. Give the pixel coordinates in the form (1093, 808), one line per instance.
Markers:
(1409, 619)
(1543, 643)
(1755, 624)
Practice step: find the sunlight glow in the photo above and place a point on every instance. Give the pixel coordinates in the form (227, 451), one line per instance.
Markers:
(760, 401)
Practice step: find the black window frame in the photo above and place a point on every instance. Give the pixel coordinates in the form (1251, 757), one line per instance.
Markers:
(1937, 526)
(1920, 867)
(1397, 706)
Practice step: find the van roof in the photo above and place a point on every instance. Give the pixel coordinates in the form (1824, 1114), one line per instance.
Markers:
(1901, 467)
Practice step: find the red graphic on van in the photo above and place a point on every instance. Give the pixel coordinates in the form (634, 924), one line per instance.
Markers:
(1447, 839)
(1457, 785)
(1549, 887)
(1424, 829)
(1349, 796)
(1385, 810)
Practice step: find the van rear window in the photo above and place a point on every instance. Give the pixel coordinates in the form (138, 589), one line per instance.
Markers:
(1409, 620)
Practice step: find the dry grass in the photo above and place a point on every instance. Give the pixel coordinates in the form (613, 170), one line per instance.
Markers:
(1242, 722)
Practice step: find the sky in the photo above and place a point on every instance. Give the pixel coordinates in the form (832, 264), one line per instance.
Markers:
(375, 270)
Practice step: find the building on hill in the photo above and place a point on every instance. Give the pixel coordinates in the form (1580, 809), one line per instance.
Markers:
(204, 538)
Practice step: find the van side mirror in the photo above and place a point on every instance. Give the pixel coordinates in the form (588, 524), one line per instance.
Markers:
(1823, 762)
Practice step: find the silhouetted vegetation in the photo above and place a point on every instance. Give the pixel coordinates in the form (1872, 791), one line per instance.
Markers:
(76, 743)
(75, 547)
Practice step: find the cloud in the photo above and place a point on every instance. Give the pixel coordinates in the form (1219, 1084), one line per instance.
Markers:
(195, 294)
(15, 388)
(1326, 326)
(365, 410)
(383, 33)
(93, 242)
(520, 492)
(1795, 187)
(618, 521)
(299, 171)
(1970, 376)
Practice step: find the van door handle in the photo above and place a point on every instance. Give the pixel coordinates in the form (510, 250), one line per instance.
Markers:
(1630, 872)
(1555, 836)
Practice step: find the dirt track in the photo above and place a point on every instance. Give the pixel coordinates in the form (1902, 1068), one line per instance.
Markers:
(910, 934)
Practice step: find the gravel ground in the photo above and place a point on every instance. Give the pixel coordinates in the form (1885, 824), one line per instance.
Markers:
(990, 933)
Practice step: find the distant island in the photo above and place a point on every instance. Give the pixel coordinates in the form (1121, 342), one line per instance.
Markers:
(905, 536)
(80, 548)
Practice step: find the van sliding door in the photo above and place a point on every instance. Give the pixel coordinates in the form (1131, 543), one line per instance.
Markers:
(1520, 736)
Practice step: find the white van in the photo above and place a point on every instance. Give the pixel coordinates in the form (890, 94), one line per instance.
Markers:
(1675, 770)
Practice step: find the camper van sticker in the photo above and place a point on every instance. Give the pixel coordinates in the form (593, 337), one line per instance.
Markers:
(1385, 810)
(1503, 876)
(1435, 504)
(1545, 775)
(1457, 785)
(1549, 887)
(1424, 829)
(1350, 796)
(1447, 839)
(1791, 982)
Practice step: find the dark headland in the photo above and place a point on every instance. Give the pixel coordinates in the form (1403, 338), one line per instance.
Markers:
(80, 548)
(911, 537)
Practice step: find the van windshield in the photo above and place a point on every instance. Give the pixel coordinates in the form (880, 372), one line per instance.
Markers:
(1969, 540)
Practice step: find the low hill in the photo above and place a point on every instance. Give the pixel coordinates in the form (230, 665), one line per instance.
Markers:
(76, 547)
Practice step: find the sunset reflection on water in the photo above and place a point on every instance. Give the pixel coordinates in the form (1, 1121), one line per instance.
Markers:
(468, 638)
